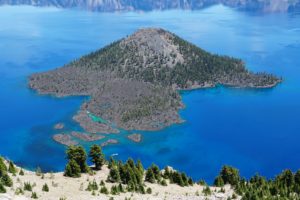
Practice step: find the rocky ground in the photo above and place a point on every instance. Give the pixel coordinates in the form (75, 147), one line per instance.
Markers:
(61, 187)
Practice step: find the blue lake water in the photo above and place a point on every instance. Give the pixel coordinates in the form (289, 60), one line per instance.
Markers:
(254, 130)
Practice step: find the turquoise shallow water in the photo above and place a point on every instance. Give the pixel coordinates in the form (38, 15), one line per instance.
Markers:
(254, 130)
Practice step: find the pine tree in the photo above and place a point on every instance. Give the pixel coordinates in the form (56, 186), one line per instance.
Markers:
(34, 195)
(114, 175)
(230, 175)
(156, 171)
(11, 168)
(219, 182)
(78, 154)
(3, 168)
(45, 188)
(150, 177)
(140, 167)
(21, 173)
(6, 180)
(72, 169)
(2, 188)
(97, 157)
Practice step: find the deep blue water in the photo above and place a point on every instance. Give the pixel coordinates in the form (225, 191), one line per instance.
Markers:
(254, 130)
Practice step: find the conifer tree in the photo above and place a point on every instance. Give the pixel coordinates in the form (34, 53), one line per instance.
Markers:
(72, 169)
(96, 156)
(114, 175)
(78, 154)
(150, 177)
(11, 168)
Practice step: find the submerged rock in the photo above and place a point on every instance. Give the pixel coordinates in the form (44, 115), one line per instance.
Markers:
(88, 137)
(64, 139)
(109, 142)
(135, 137)
(59, 126)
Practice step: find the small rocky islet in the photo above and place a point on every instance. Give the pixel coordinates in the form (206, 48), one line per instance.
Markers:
(87, 137)
(68, 139)
(64, 139)
(59, 126)
(109, 142)
(134, 83)
(135, 137)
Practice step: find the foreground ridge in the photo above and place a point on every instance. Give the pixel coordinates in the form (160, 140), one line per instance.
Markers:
(117, 180)
(134, 82)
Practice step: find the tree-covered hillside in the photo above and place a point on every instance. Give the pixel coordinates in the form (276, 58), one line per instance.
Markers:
(158, 56)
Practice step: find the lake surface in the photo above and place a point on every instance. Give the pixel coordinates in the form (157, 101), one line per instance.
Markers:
(254, 130)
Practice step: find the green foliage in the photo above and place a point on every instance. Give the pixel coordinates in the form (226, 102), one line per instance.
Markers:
(150, 177)
(149, 190)
(11, 168)
(153, 174)
(102, 183)
(285, 185)
(104, 190)
(78, 154)
(111, 162)
(202, 182)
(72, 169)
(19, 191)
(140, 167)
(34, 195)
(206, 191)
(163, 182)
(2, 188)
(45, 188)
(219, 181)
(114, 190)
(114, 175)
(197, 66)
(6, 180)
(21, 173)
(92, 186)
(228, 175)
(166, 173)
(176, 177)
(120, 188)
(3, 168)
(27, 186)
(96, 156)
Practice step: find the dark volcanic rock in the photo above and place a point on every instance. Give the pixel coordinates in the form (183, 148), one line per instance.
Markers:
(64, 139)
(87, 137)
(91, 126)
